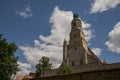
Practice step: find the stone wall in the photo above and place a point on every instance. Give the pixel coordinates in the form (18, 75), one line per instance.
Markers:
(95, 67)
(112, 74)
(85, 68)
(86, 72)
(49, 73)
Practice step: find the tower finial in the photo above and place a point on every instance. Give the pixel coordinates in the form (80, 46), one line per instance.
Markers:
(65, 40)
(75, 15)
(104, 62)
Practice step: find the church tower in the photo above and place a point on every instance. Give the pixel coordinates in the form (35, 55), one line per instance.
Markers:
(76, 52)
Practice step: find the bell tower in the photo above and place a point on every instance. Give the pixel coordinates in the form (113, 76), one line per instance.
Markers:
(77, 44)
(77, 37)
(76, 52)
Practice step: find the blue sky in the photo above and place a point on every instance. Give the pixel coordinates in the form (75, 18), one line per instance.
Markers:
(38, 27)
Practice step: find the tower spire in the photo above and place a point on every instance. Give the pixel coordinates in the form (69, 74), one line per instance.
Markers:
(65, 52)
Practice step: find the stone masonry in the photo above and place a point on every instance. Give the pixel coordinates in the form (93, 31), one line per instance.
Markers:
(76, 52)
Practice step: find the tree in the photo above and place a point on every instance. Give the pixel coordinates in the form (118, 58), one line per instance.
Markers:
(64, 69)
(24, 79)
(44, 64)
(8, 61)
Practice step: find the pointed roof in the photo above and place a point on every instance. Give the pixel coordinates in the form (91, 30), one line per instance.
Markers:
(104, 62)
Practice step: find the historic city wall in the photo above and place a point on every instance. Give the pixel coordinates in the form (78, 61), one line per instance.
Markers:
(94, 67)
(112, 74)
(85, 68)
(87, 72)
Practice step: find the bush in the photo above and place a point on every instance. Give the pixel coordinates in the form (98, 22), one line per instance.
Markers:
(64, 69)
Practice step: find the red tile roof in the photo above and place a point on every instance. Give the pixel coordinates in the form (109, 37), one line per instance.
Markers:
(20, 77)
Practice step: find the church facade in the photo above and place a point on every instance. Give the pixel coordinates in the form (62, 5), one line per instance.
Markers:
(76, 51)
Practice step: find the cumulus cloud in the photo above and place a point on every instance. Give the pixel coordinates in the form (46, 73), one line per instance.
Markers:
(51, 45)
(87, 30)
(26, 12)
(97, 51)
(103, 5)
(113, 43)
(24, 68)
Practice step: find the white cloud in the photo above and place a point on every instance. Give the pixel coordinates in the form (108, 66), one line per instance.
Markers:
(24, 68)
(97, 51)
(33, 54)
(103, 5)
(87, 30)
(114, 41)
(51, 45)
(25, 13)
(60, 28)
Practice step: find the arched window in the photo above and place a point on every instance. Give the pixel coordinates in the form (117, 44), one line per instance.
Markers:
(74, 36)
(81, 62)
(75, 42)
(75, 48)
(74, 24)
(73, 64)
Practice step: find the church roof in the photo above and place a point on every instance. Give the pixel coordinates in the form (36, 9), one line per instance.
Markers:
(94, 56)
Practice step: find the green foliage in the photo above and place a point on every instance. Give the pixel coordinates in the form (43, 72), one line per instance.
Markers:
(44, 64)
(24, 79)
(8, 61)
(64, 69)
